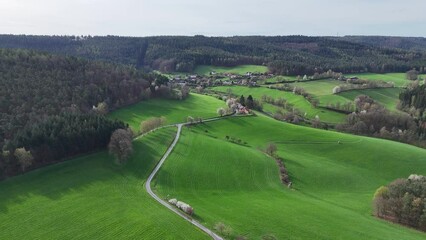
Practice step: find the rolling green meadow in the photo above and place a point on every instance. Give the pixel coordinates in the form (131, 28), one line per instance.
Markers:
(90, 197)
(388, 97)
(298, 101)
(175, 111)
(323, 91)
(333, 183)
(240, 69)
(399, 79)
(334, 178)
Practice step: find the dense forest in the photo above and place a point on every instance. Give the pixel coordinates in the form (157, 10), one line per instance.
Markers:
(289, 55)
(47, 99)
(414, 99)
(407, 43)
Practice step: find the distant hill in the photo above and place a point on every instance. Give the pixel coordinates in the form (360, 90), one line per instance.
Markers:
(290, 55)
(406, 43)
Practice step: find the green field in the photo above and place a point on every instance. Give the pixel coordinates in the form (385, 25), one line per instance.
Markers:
(241, 69)
(319, 87)
(91, 198)
(388, 97)
(399, 79)
(333, 183)
(175, 111)
(323, 91)
(298, 101)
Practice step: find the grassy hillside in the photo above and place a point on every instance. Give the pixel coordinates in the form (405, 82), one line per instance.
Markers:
(399, 79)
(298, 101)
(241, 69)
(175, 111)
(388, 97)
(91, 198)
(333, 183)
(323, 91)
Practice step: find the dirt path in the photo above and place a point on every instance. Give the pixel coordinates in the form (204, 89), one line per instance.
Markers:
(166, 204)
(160, 163)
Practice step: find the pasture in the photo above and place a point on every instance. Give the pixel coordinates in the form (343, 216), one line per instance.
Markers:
(298, 101)
(399, 79)
(333, 183)
(89, 197)
(175, 111)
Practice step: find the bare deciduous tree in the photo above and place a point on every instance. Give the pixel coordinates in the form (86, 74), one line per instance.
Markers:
(120, 145)
(271, 149)
(221, 111)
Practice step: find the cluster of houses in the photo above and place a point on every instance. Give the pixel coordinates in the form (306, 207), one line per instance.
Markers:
(221, 79)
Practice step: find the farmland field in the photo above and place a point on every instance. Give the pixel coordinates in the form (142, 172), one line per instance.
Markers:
(322, 90)
(333, 183)
(92, 198)
(387, 97)
(175, 111)
(399, 79)
(299, 101)
(241, 69)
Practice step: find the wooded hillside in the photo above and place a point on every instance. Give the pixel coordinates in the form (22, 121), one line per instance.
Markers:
(290, 55)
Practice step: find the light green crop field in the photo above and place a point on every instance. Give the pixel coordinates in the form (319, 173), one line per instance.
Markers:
(333, 183)
(399, 79)
(92, 198)
(298, 101)
(175, 111)
(241, 69)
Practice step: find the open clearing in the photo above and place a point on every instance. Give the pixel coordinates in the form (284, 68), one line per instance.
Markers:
(334, 183)
(241, 69)
(91, 198)
(175, 111)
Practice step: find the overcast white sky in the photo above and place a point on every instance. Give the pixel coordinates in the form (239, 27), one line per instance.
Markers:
(214, 17)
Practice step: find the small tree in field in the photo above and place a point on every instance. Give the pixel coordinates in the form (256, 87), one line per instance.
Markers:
(190, 119)
(120, 145)
(223, 229)
(221, 111)
(271, 149)
(25, 158)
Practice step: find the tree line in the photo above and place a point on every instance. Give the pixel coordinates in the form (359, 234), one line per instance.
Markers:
(286, 55)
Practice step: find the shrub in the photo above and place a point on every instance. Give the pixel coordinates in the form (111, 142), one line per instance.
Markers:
(151, 124)
(223, 229)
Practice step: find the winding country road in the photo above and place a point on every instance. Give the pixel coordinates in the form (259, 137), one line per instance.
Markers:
(166, 204)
